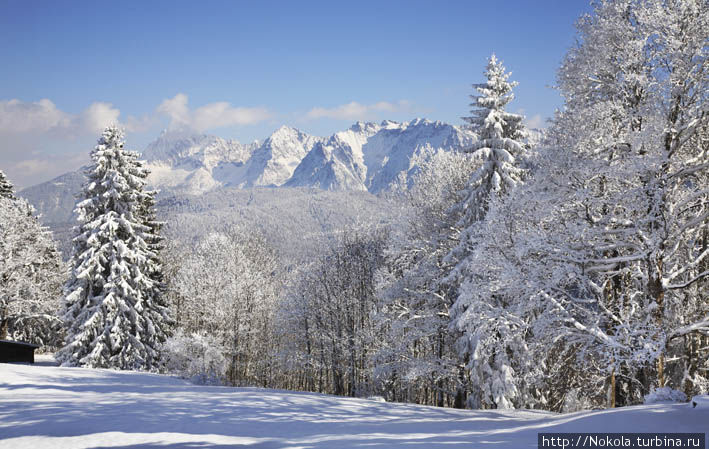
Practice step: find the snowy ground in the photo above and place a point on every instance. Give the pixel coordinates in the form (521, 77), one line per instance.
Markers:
(43, 406)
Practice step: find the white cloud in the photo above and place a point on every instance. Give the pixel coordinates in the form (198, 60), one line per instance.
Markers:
(535, 121)
(96, 117)
(176, 109)
(37, 168)
(18, 117)
(33, 167)
(354, 110)
(213, 115)
(38, 140)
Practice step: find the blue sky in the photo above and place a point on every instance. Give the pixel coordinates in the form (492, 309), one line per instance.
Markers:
(240, 69)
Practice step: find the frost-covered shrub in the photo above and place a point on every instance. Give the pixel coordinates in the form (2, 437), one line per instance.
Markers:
(574, 402)
(198, 357)
(664, 395)
(31, 274)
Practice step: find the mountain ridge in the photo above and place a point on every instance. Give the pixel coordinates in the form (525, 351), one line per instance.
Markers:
(367, 156)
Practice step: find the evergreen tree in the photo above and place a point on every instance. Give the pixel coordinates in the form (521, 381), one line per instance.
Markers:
(113, 313)
(6, 189)
(499, 144)
(500, 153)
(159, 310)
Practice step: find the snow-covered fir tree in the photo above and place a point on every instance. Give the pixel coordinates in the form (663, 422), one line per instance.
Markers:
(113, 314)
(6, 188)
(31, 273)
(486, 345)
(499, 146)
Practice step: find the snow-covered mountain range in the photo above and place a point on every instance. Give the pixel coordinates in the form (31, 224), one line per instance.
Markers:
(367, 156)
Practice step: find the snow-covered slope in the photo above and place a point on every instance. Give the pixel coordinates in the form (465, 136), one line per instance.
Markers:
(329, 167)
(50, 407)
(273, 162)
(200, 163)
(293, 220)
(55, 199)
(195, 163)
(389, 152)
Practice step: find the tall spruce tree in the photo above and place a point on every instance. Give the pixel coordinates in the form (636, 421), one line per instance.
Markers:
(500, 152)
(113, 312)
(499, 145)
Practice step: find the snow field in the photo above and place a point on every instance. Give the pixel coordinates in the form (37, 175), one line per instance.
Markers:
(53, 407)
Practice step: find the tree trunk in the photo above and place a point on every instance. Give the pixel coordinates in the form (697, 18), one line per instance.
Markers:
(461, 395)
(657, 292)
(439, 389)
(4, 323)
(611, 391)
(691, 365)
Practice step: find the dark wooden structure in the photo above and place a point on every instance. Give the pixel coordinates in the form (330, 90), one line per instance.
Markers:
(16, 351)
